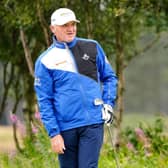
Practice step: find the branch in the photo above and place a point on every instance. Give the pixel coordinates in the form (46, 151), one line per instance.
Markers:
(43, 24)
(16, 138)
(27, 52)
(148, 46)
(143, 50)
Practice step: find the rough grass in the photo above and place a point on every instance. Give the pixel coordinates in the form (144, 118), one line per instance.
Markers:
(133, 119)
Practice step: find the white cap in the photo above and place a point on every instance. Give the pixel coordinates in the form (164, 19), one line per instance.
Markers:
(62, 16)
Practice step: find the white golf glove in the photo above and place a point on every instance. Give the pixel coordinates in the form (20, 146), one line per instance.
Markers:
(107, 114)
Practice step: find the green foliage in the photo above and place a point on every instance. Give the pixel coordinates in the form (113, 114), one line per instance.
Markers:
(146, 146)
(129, 159)
(158, 137)
(36, 153)
(150, 138)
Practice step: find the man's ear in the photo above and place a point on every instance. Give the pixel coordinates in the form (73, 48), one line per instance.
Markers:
(52, 29)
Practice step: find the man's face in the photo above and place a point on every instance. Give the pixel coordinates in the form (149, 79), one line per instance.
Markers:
(66, 32)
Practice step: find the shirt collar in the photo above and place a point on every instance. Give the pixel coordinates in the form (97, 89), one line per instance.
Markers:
(63, 44)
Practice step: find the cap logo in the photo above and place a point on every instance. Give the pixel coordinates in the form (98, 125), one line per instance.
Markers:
(65, 14)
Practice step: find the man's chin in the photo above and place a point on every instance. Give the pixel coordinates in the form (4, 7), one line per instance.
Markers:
(70, 39)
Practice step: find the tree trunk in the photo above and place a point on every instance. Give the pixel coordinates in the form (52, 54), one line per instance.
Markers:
(15, 138)
(6, 84)
(119, 72)
(29, 96)
(89, 20)
(27, 52)
(18, 97)
(29, 104)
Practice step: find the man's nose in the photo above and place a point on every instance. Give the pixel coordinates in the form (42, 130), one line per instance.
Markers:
(71, 27)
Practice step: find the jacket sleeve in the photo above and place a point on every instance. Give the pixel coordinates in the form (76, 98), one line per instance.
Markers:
(107, 77)
(43, 86)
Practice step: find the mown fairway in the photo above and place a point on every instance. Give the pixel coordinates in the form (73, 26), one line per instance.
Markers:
(6, 139)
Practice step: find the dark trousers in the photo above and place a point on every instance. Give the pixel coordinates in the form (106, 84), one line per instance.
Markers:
(83, 146)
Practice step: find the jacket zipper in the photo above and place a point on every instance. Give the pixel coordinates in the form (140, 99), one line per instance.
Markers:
(71, 55)
(84, 101)
(84, 104)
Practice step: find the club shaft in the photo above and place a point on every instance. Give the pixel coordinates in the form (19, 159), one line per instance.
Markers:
(115, 153)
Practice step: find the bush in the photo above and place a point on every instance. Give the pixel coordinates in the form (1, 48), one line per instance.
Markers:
(36, 151)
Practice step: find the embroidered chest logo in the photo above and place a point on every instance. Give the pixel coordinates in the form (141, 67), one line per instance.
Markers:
(85, 57)
(62, 62)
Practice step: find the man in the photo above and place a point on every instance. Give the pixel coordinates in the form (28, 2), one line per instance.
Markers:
(76, 90)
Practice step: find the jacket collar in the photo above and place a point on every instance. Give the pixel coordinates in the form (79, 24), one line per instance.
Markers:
(62, 44)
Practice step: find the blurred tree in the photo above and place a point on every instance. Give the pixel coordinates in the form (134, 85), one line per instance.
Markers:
(129, 19)
(116, 24)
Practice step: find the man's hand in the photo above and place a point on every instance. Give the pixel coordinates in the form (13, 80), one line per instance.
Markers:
(57, 144)
(107, 114)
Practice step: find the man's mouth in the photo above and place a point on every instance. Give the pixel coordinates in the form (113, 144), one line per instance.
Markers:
(70, 34)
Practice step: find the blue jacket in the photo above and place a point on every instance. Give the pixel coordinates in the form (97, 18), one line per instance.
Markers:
(71, 79)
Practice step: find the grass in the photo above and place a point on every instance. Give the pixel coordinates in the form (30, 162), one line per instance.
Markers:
(133, 119)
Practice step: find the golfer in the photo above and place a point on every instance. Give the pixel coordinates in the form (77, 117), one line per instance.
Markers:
(76, 91)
